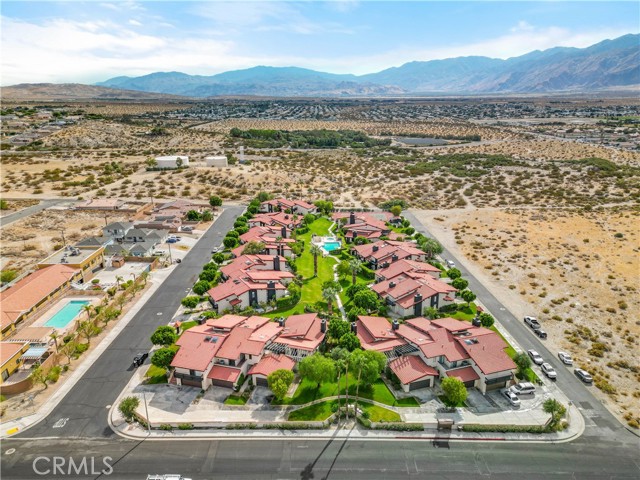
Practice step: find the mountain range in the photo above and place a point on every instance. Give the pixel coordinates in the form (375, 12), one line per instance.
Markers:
(608, 65)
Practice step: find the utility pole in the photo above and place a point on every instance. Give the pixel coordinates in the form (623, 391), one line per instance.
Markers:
(64, 242)
(105, 219)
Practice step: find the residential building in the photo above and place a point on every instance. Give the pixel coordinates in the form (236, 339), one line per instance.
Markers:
(384, 253)
(277, 240)
(267, 365)
(408, 297)
(301, 335)
(28, 296)
(408, 268)
(276, 219)
(11, 358)
(87, 259)
(290, 206)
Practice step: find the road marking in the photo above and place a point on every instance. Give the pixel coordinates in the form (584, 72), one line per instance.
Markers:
(61, 423)
(10, 451)
(13, 430)
(108, 407)
(159, 313)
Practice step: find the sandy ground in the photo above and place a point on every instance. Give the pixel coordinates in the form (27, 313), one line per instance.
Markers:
(14, 206)
(572, 272)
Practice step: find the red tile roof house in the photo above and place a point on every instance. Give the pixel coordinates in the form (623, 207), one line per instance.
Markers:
(281, 204)
(453, 348)
(382, 254)
(301, 335)
(408, 297)
(221, 350)
(251, 280)
(269, 236)
(267, 365)
(277, 219)
(364, 225)
(28, 295)
(409, 268)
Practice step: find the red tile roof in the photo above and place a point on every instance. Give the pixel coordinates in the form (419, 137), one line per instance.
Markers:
(410, 368)
(226, 322)
(451, 324)
(27, 292)
(224, 373)
(374, 335)
(10, 349)
(465, 374)
(302, 331)
(487, 351)
(270, 363)
(196, 352)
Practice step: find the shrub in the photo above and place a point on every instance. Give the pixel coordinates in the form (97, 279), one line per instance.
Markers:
(128, 407)
(190, 302)
(54, 374)
(164, 335)
(166, 426)
(185, 426)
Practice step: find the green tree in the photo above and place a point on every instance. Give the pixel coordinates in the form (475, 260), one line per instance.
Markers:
(193, 215)
(431, 313)
(523, 362)
(190, 302)
(263, 196)
(38, 375)
(69, 349)
(349, 341)
(459, 283)
(280, 381)
(207, 216)
(343, 269)
(337, 328)
(7, 276)
(354, 313)
(454, 273)
(316, 251)
(355, 266)
(164, 335)
(341, 357)
(329, 294)
(554, 408)
(215, 201)
(353, 289)
(163, 357)
(486, 320)
(202, 286)
(253, 248)
(468, 296)
(309, 218)
(366, 299)
(454, 390)
(368, 365)
(431, 247)
(128, 406)
(230, 242)
(317, 368)
(88, 330)
(396, 210)
(4, 205)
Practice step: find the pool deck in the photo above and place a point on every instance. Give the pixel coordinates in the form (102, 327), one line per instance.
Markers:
(55, 308)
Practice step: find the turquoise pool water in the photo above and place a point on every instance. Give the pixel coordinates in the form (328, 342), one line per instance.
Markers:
(331, 246)
(66, 314)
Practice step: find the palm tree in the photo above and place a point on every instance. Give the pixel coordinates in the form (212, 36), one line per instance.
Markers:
(341, 357)
(54, 336)
(118, 280)
(144, 276)
(315, 251)
(329, 294)
(278, 241)
(355, 266)
(88, 309)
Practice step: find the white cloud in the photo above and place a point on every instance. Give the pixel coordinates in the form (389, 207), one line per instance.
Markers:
(135, 23)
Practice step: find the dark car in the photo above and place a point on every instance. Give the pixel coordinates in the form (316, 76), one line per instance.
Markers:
(476, 322)
(139, 359)
(583, 375)
(541, 333)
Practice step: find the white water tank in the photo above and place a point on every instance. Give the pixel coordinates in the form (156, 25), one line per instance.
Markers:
(216, 161)
(171, 161)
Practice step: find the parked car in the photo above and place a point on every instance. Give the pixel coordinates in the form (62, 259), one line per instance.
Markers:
(535, 356)
(548, 370)
(532, 322)
(523, 388)
(159, 253)
(541, 333)
(565, 358)
(583, 375)
(187, 229)
(450, 263)
(171, 240)
(139, 359)
(476, 322)
(215, 250)
(511, 397)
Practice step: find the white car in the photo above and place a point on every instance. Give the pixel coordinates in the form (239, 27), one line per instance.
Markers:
(511, 397)
(565, 358)
(535, 356)
(548, 370)
(450, 263)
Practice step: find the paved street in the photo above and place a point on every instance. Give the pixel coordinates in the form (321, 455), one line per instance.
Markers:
(302, 459)
(85, 406)
(596, 415)
(25, 212)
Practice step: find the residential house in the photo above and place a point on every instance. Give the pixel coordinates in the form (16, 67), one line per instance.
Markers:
(87, 259)
(301, 335)
(11, 358)
(382, 254)
(408, 297)
(277, 240)
(117, 230)
(276, 219)
(290, 206)
(363, 225)
(27, 296)
(267, 365)
(409, 268)
(451, 347)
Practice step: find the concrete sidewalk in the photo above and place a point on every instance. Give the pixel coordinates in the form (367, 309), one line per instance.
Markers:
(12, 427)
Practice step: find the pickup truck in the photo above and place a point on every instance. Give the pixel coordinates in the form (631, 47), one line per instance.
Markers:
(532, 322)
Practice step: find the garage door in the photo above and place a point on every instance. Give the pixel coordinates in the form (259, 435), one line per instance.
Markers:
(192, 383)
(420, 384)
(222, 383)
(496, 386)
(261, 381)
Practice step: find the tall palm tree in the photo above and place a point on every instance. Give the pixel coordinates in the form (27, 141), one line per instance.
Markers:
(88, 310)
(118, 280)
(144, 276)
(355, 266)
(329, 294)
(315, 251)
(278, 242)
(54, 336)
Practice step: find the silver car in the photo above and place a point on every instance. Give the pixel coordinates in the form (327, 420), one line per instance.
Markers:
(565, 358)
(511, 397)
(535, 356)
(548, 370)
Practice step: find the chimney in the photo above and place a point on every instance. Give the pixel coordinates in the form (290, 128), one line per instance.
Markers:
(354, 327)
(395, 325)
(323, 326)
(392, 284)
(352, 218)
(394, 258)
(276, 263)
(283, 232)
(417, 308)
(375, 248)
(281, 321)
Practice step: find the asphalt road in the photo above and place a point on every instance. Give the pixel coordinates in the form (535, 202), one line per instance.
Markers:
(597, 417)
(325, 459)
(25, 212)
(86, 405)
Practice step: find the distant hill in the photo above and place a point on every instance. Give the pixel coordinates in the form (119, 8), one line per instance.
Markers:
(604, 66)
(75, 91)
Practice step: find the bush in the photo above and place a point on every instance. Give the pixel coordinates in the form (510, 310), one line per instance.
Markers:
(54, 374)
(7, 276)
(202, 286)
(166, 426)
(128, 407)
(164, 335)
(190, 302)
(400, 427)
(185, 426)
(506, 428)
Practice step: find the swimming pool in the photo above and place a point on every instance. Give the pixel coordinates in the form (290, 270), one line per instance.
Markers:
(331, 246)
(66, 314)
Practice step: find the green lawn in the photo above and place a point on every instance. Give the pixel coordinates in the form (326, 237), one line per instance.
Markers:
(379, 414)
(187, 325)
(156, 375)
(235, 400)
(313, 413)
(307, 392)
(466, 314)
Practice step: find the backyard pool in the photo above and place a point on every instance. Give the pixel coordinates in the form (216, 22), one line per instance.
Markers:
(331, 246)
(66, 314)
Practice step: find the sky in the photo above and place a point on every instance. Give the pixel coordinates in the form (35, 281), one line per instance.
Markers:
(92, 41)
